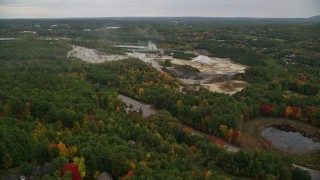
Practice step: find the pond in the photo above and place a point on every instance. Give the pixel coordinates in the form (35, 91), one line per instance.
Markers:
(289, 139)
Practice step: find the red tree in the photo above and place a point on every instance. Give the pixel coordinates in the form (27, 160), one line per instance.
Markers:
(220, 143)
(217, 140)
(90, 117)
(213, 138)
(267, 109)
(128, 175)
(193, 148)
(236, 136)
(296, 112)
(118, 109)
(73, 168)
(267, 144)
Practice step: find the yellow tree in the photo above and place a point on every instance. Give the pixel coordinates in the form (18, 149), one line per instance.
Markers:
(83, 75)
(73, 151)
(80, 162)
(179, 102)
(194, 108)
(140, 91)
(224, 130)
(288, 111)
(63, 150)
(39, 133)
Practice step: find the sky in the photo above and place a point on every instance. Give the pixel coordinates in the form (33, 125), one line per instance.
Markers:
(162, 8)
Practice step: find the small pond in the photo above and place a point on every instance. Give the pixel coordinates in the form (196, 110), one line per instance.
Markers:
(287, 138)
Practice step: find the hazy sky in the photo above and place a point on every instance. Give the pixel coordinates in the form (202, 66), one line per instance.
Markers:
(118, 8)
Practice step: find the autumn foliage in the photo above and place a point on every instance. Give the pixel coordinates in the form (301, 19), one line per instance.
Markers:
(187, 130)
(267, 144)
(80, 162)
(193, 148)
(293, 112)
(118, 109)
(208, 173)
(128, 175)
(299, 113)
(63, 149)
(140, 91)
(233, 136)
(267, 109)
(90, 117)
(73, 169)
(132, 165)
(217, 140)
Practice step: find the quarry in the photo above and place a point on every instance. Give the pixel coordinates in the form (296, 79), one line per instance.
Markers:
(214, 74)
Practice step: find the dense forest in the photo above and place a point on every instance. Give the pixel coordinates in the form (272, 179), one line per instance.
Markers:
(66, 112)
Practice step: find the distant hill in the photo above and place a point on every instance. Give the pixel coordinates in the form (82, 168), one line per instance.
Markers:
(219, 20)
(315, 17)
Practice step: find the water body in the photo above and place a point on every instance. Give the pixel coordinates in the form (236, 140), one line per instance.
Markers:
(286, 138)
(6, 39)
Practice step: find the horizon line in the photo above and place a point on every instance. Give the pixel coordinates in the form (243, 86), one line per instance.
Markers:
(101, 17)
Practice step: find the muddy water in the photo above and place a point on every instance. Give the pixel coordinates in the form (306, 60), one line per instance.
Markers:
(286, 138)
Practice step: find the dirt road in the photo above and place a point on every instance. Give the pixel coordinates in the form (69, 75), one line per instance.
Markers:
(227, 146)
(6, 176)
(149, 110)
(315, 175)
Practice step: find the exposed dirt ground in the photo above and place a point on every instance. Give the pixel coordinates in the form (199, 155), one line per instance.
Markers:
(210, 68)
(147, 58)
(92, 55)
(216, 65)
(227, 87)
(215, 74)
(53, 38)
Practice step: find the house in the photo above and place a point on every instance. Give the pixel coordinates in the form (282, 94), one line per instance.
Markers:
(104, 176)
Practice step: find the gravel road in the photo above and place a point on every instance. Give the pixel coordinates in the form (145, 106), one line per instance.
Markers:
(146, 108)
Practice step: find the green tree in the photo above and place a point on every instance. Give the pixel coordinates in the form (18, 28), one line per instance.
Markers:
(59, 162)
(167, 63)
(285, 173)
(299, 174)
(41, 153)
(5, 158)
(26, 169)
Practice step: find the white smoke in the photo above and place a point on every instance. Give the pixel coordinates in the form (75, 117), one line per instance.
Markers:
(152, 46)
